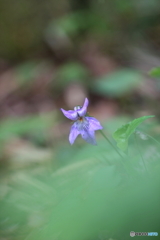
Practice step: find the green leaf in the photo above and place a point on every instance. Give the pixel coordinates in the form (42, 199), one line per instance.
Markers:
(155, 72)
(117, 83)
(122, 134)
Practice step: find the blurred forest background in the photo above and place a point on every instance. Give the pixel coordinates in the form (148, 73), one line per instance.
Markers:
(53, 54)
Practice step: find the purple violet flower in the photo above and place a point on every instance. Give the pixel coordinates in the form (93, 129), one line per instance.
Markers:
(86, 126)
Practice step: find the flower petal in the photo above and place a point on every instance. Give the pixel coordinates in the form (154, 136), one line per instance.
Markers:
(88, 136)
(71, 114)
(83, 110)
(73, 133)
(94, 124)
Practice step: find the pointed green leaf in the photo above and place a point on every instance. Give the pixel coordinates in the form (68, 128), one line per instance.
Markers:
(122, 134)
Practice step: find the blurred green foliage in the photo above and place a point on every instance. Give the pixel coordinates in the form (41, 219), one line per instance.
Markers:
(82, 192)
(26, 73)
(24, 125)
(117, 83)
(155, 72)
(71, 72)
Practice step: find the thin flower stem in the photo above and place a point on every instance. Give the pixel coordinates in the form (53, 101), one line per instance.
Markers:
(116, 151)
(140, 153)
(111, 143)
(153, 139)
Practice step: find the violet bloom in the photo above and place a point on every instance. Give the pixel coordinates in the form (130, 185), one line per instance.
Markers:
(86, 126)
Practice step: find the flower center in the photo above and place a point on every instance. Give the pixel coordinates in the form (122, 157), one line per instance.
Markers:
(82, 123)
(80, 119)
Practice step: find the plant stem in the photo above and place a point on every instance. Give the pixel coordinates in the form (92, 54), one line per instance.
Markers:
(140, 153)
(111, 144)
(153, 139)
(121, 157)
